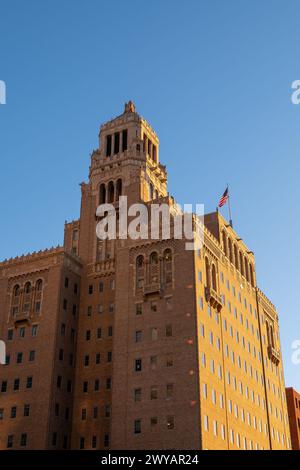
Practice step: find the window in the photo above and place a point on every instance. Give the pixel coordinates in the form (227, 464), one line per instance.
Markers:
(153, 393)
(138, 336)
(108, 383)
(89, 311)
(99, 333)
(10, 334)
(106, 440)
(153, 362)
(85, 387)
(61, 355)
(83, 414)
(124, 140)
(138, 365)
(98, 358)
(169, 390)
(10, 441)
(153, 421)
(86, 360)
(96, 385)
(137, 426)
(23, 440)
(101, 287)
(13, 412)
(56, 409)
(65, 304)
(16, 384)
(59, 381)
(169, 360)
(138, 309)
(4, 386)
(66, 282)
(19, 358)
(34, 330)
(169, 331)
(95, 412)
(94, 442)
(170, 422)
(81, 443)
(107, 411)
(154, 334)
(22, 332)
(29, 382)
(90, 290)
(137, 394)
(109, 356)
(110, 331)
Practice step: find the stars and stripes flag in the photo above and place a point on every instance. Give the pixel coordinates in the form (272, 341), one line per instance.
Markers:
(224, 198)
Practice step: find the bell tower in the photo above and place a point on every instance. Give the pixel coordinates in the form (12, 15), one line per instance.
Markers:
(125, 163)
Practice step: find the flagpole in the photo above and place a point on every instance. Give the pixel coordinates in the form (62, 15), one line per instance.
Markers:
(229, 207)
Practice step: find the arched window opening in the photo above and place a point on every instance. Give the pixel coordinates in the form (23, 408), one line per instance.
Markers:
(111, 192)
(272, 337)
(168, 265)
(119, 189)
(140, 271)
(207, 272)
(246, 269)
(102, 194)
(39, 285)
(251, 275)
(27, 288)
(241, 264)
(168, 254)
(230, 250)
(153, 258)
(236, 257)
(140, 261)
(225, 244)
(214, 277)
(16, 291)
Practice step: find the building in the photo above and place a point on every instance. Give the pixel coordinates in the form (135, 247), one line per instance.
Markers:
(293, 404)
(139, 344)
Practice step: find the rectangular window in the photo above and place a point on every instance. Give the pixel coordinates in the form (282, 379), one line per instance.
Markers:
(169, 330)
(138, 309)
(170, 422)
(81, 443)
(23, 440)
(138, 365)
(137, 426)
(94, 442)
(97, 385)
(22, 332)
(13, 412)
(34, 330)
(90, 289)
(138, 336)
(153, 393)
(10, 441)
(16, 384)
(19, 358)
(137, 394)
(98, 358)
(10, 334)
(29, 382)
(85, 387)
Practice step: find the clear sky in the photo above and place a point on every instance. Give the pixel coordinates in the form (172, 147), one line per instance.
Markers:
(214, 80)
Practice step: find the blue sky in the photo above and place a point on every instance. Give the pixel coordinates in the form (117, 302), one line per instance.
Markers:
(214, 80)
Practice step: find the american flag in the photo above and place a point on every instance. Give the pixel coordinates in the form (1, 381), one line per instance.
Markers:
(224, 198)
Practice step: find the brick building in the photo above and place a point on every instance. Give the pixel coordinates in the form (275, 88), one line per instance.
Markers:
(293, 404)
(138, 344)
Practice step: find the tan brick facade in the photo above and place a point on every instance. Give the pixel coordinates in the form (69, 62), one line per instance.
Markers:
(293, 404)
(157, 347)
